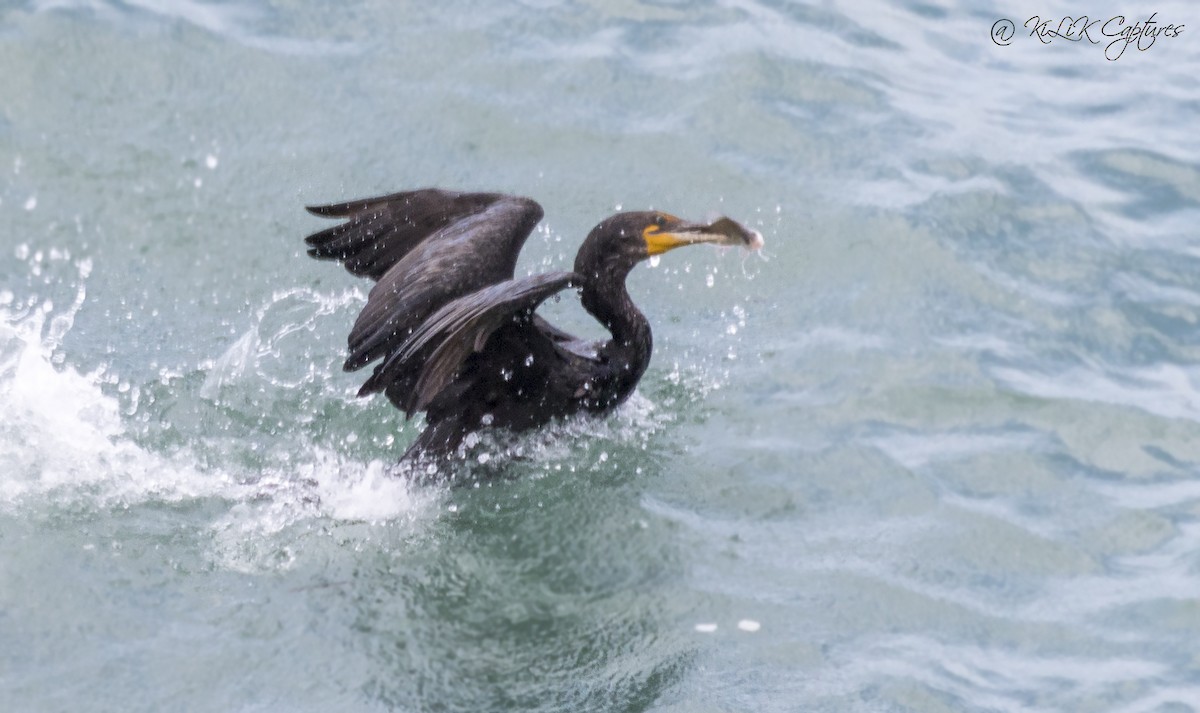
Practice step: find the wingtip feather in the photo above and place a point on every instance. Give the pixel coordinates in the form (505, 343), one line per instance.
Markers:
(332, 210)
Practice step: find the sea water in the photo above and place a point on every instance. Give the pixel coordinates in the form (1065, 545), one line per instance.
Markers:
(936, 449)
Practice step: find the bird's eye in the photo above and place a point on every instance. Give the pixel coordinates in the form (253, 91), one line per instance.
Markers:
(660, 220)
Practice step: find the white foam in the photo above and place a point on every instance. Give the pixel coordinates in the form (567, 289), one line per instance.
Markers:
(61, 433)
(64, 439)
(260, 530)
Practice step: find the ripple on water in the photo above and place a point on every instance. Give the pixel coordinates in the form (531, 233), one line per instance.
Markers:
(242, 23)
(1168, 390)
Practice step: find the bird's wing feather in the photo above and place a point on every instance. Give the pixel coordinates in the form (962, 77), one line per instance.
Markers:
(425, 248)
(439, 347)
(380, 231)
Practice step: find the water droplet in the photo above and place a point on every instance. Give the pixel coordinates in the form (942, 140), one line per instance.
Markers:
(749, 625)
(529, 360)
(487, 419)
(31, 203)
(709, 280)
(198, 182)
(210, 161)
(351, 437)
(654, 260)
(706, 628)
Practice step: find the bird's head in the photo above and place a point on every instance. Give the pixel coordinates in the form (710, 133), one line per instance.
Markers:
(625, 239)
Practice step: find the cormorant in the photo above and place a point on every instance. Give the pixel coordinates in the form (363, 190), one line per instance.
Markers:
(456, 334)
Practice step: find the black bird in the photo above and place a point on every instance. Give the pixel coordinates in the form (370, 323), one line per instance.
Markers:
(456, 333)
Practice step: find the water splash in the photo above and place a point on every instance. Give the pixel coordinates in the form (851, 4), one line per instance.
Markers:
(66, 440)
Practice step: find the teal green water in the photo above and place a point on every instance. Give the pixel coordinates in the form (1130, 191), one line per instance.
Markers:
(937, 449)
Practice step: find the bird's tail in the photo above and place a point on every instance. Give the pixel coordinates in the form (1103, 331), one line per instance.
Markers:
(429, 457)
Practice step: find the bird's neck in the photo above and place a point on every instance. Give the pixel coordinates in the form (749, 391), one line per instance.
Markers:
(628, 352)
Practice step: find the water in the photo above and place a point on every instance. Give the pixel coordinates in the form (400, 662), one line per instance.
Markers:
(937, 453)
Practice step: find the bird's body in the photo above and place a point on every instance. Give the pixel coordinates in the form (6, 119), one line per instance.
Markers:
(456, 334)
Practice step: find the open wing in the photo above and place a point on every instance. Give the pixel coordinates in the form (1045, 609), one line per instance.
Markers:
(440, 346)
(426, 249)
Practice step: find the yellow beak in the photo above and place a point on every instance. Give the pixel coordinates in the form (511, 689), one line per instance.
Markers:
(723, 231)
